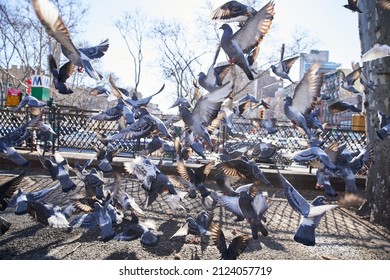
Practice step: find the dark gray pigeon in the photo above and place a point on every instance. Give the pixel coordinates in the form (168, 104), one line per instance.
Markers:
(197, 226)
(311, 213)
(233, 11)
(342, 106)
(61, 74)
(214, 77)
(35, 106)
(348, 81)
(236, 247)
(353, 5)
(47, 214)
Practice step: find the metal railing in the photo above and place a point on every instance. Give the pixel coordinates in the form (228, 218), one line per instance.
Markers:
(75, 129)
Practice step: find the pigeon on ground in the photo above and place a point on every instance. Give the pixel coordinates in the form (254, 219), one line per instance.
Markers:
(384, 131)
(233, 11)
(282, 69)
(305, 96)
(60, 75)
(353, 5)
(236, 247)
(311, 213)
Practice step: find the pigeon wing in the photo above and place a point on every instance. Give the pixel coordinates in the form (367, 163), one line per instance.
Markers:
(308, 90)
(96, 51)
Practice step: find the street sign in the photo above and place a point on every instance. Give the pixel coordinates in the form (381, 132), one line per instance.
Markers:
(40, 87)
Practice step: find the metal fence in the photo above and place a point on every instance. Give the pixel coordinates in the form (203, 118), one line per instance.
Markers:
(76, 130)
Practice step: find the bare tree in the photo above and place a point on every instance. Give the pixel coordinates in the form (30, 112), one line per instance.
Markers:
(178, 57)
(373, 29)
(132, 26)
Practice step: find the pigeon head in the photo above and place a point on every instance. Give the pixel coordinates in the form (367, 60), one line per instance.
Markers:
(225, 26)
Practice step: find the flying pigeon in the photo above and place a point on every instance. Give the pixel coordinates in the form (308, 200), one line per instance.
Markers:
(100, 91)
(214, 77)
(353, 5)
(33, 104)
(384, 132)
(205, 111)
(245, 42)
(60, 75)
(305, 96)
(377, 51)
(314, 153)
(348, 81)
(341, 106)
(282, 69)
(245, 102)
(58, 169)
(311, 213)
(233, 11)
(236, 247)
(20, 199)
(136, 103)
(105, 157)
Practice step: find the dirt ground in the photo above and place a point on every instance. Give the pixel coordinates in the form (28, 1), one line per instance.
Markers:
(341, 234)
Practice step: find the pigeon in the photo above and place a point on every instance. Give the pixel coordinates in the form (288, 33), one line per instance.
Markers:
(249, 206)
(197, 226)
(323, 175)
(145, 126)
(235, 54)
(137, 229)
(105, 157)
(245, 42)
(47, 214)
(269, 125)
(8, 189)
(314, 152)
(100, 91)
(136, 103)
(60, 75)
(353, 5)
(376, 52)
(104, 221)
(282, 69)
(305, 95)
(4, 225)
(195, 177)
(242, 168)
(384, 131)
(348, 81)
(244, 103)
(58, 169)
(111, 114)
(158, 145)
(235, 248)
(311, 213)
(214, 77)
(205, 111)
(233, 11)
(342, 106)
(35, 106)
(20, 199)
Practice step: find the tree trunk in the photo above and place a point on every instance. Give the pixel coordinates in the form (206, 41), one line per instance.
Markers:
(374, 25)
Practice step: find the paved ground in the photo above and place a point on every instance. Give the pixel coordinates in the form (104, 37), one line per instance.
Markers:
(341, 234)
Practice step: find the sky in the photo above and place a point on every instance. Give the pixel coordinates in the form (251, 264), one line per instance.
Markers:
(333, 27)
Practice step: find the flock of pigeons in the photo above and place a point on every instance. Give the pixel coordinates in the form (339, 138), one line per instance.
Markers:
(242, 188)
